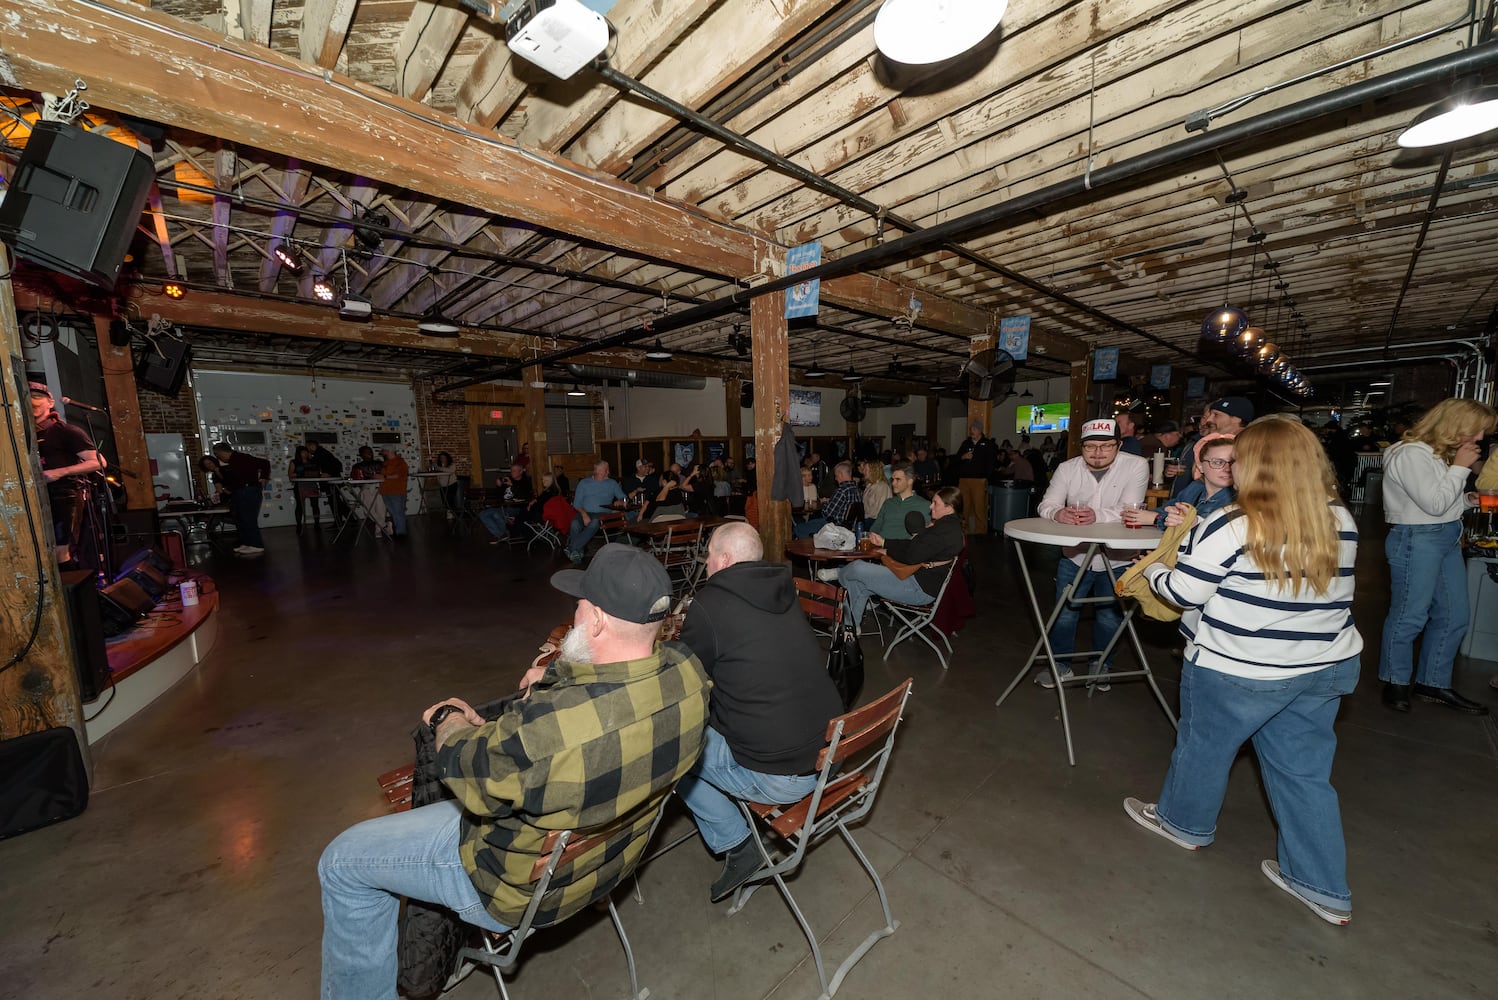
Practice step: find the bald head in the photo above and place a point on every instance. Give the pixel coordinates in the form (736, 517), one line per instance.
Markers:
(731, 544)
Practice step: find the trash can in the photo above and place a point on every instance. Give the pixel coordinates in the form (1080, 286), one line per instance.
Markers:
(1008, 500)
(1481, 640)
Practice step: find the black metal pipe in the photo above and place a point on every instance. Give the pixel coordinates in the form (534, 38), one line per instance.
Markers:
(913, 245)
(1419, 247)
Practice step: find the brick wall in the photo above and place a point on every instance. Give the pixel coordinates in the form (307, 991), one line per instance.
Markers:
(444, 427)
(173, 415)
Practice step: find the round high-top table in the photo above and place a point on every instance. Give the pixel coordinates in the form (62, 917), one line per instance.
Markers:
(1109, 537)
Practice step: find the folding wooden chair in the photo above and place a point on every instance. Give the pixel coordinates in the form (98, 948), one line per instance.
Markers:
(857, 751)
(678, 550)
(918, 619)
(562, 848)
(822, 602)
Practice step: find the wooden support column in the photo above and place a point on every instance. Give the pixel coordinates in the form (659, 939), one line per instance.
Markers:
(733, 387)
(980, 411)
(772, 403)
(933, 408)
(533, 425)
(131, 453)
(41, 690)
(1081, 383)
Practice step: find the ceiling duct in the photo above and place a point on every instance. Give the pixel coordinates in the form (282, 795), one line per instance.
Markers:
(875, 400)
(656, 380)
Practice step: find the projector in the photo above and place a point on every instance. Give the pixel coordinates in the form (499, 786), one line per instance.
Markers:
(356, 307)
(560, 36)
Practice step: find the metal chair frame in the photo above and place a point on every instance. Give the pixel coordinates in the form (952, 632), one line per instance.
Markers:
(500, 952)
(863, 738)
(917, 619)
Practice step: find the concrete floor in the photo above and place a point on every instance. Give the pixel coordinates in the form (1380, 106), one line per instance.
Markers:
(192, 873)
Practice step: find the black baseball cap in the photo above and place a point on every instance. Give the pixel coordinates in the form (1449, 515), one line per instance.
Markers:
(1234, 406)
(621, 581)
(1167, 427)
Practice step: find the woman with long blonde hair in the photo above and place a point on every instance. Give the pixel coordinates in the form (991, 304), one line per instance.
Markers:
(1425, 493)
(1266, 589)
(876, 489)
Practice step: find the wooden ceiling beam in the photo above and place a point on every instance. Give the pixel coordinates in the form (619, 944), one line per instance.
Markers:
(325, 25)
(424, 46)
(159, 67)
(492, 87)
(294, 182)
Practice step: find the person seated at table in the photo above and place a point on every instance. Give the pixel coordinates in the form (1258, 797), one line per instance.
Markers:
(634, 485)
(927, 471)
(669, 499)
(876, 491)
(771, 701)
(890, 522)
(1092, 488)
(610, 725)
(302, 467)
(838, 507)
(596, 495)
(515, 493)
(1211, 490)
(932, 548)
(564, 485)
(533, 511)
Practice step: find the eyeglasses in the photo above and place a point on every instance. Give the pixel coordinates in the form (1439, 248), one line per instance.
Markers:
(1099, 447)
(1219, 463)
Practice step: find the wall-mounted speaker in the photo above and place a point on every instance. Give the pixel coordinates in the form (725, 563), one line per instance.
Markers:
(163, 366)
(74, 202)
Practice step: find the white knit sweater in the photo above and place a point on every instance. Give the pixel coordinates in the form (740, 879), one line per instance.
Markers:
(1420, 488)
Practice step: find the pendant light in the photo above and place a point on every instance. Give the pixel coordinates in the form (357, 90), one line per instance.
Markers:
(1460, 116)
(1222, 326)
(658, 353)
(434, 323)
(921, 32)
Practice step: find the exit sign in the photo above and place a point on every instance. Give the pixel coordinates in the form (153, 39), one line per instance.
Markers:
(496, 414)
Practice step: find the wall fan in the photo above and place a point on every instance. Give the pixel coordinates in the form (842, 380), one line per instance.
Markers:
(988, 375)
(853, 409)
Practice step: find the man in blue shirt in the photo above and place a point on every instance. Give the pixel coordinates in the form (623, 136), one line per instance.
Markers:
(595, 496)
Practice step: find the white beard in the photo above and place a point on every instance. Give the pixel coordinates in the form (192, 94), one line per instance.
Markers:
(575, 647)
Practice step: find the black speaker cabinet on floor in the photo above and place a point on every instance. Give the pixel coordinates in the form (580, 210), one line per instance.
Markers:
(88, 633)
(74, 201)
(121, 605)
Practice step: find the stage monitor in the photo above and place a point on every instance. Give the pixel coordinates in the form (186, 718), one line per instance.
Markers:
(1042, 418)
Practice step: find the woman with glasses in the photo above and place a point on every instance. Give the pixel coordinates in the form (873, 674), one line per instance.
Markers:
(1266, 589)
(1210, 490)
(1425, 494)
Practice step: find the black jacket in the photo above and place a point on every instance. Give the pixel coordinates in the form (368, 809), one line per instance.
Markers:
(772, 698)
(941, 541)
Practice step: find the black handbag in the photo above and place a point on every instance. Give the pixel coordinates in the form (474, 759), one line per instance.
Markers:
(42, 780)
(845, 664)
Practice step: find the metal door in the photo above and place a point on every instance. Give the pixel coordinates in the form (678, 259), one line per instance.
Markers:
(498, 446)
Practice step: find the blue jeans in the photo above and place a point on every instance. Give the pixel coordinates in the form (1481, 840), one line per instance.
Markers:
(1106, 617)
(244, 505)
(1429, 594)
(1290, 723)
(863, 579)
(365, 871)
(808, 527)
(581, 534)
(712, 787)
(395, 503)
(494, 519)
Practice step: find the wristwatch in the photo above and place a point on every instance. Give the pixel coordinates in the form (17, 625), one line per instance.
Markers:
(441, 714)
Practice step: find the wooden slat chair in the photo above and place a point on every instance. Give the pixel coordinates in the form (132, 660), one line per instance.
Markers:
(500, 952)
(918, 619)
(822, 602)
(678, 550)
(611, 526)
(857, 752)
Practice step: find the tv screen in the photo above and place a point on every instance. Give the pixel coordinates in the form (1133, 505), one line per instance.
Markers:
(1042, 418)
(806, 408)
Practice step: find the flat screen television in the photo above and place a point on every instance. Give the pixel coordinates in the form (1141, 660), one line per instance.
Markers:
(806, 408)
(1042, 418)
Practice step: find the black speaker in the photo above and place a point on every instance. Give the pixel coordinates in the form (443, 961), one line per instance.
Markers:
(88, 633)
(148, 578)
(164, 365)
(74, 201)
(154, 558)
(42, 780)
(121, 605)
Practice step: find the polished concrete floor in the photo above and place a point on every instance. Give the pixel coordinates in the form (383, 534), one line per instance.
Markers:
(192, 873)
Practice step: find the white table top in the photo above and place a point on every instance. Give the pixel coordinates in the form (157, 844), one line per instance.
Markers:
(1114, 536)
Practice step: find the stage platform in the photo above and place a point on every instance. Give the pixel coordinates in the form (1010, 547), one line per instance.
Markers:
(159, 651)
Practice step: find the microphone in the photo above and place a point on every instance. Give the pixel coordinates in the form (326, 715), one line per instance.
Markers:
(83, 406)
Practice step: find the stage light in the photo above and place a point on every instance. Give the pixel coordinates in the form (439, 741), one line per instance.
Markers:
(174, 289)
(289, 256)
(323, 289)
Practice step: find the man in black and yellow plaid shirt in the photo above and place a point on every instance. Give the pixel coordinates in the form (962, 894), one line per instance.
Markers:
(611, 725)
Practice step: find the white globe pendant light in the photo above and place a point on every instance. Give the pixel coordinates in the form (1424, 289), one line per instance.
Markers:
(919, 32)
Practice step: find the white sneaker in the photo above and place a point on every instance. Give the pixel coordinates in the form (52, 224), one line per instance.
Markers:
(829, 575)
(1045, 680)
(241, 548)
(250, 550)
(1144, 814)
(1271, 870)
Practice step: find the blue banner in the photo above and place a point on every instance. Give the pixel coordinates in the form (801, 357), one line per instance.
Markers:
(1196, 387)
(1159, 376)
(1105, 364)
(801, 299)
(1014, 336)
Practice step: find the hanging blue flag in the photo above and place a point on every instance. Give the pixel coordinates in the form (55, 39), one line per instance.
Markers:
(1105, 364)
(1014, 336)
(1196, 387)
(801, 299)
(1159, 376)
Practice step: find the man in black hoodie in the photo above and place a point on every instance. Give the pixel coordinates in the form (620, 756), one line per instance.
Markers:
(771, 699)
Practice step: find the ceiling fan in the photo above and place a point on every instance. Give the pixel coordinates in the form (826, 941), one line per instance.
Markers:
(987, 375)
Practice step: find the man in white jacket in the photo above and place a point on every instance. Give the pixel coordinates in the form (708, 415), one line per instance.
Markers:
(1091, 488)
